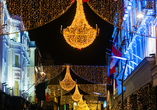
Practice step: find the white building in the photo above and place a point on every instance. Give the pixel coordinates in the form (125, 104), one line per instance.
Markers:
(17, 53)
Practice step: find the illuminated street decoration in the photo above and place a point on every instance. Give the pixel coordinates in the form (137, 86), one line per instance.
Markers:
(89, 88)
(96, 74)
(80, 34)
(66, 99)
(90, 73)
(53, 71)
(34, 13)
(82, 105)
(76, 96)
(67, 83)
(37, 13)
(81, 102)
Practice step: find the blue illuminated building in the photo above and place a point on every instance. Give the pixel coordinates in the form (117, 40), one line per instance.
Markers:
(17, 53)
(136, 40)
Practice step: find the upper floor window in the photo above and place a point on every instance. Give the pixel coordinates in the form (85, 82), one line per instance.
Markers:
(17, 60)
(15, 36)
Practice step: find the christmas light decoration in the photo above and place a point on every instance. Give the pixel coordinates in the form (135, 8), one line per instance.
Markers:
(145, 96)
(67, 83)
(96, 74)
(76, 96)
(56, 90)
(92, 106)
(90, 88)
(66, 99)
(36, 13)
(80, 34)
(81, 103)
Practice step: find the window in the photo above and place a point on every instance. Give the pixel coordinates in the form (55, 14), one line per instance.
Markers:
(16, 88)
(17, 60)
(17, 37)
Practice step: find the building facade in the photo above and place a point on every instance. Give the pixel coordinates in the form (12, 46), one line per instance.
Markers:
(17, 54)
(136, 40)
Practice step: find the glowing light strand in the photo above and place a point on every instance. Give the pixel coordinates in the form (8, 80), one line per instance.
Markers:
(36, 13)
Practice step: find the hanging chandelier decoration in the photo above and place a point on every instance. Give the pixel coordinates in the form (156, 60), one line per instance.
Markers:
(80, 34)
(67, 83)
(82, 105)
(76, 96)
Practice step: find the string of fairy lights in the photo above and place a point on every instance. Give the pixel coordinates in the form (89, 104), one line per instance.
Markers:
(77, 97)
(57, 90)
(97, 74)
(36, 13)
(61, 89)
(141, 98)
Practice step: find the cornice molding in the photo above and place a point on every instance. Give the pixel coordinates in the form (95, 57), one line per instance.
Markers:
(137, 71)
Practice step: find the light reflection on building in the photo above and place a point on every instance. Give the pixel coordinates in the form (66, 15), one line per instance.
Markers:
(16, 55)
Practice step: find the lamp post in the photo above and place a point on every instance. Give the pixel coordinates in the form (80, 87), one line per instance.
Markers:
(122, 83)
(122, 58)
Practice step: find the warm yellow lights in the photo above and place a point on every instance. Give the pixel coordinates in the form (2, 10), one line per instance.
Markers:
(36, 13)
(76, 96)
(80, 34)
(81, 102)
(82, 105)
(67, 83)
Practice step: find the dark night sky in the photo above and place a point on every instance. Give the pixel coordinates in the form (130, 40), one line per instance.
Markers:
(49, 40)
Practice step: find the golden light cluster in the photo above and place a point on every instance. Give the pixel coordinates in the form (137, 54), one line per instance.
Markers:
(80, 34)
(36, 13)
(90, 88)
(96, 74)
(76, 96)
(66, 99)
(82, 105)
(53, 71)
(67, 83)
(56, 90)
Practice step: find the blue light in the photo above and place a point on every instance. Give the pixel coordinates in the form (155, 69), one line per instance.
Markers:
(135, 49)
(104, 104)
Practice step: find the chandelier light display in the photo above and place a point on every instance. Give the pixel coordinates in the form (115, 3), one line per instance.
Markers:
(76, 96)
(67, 83)
(80, 34)
(81, 102)
(82, 105)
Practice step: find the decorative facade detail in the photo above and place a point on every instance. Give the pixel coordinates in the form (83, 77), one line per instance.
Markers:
(136, 40)
(16, 55)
